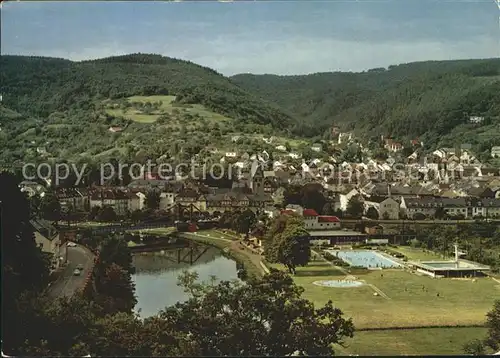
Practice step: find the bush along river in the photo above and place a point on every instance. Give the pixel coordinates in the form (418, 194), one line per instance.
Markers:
(158, 262)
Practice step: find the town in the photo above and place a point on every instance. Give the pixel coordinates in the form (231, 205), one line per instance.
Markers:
(291, 178)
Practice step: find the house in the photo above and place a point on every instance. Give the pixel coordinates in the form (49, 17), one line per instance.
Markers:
(317, 147)
(312, 220)
(476, 120)
(392, 145)
(495, 152)
(389, 209)
(117, 199)
(72, 199)
(281, 148)
(466, 207)
(221, 200)
(32, 188)
(149, 184)
(343, 199)
(190, 197)
(49, 241)
(167, 200)
(115, 129)
(231, 154)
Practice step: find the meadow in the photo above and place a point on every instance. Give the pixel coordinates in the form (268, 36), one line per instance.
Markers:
(168, 106)
(411, 314)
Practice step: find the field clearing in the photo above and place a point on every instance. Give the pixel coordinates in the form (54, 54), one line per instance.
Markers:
(413, 300)
(424, 341)
(415, 254)
(167, 107)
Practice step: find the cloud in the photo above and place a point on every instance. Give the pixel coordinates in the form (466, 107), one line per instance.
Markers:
(274, 37)
(299, 55)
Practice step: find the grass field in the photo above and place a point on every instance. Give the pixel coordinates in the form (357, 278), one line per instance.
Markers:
(167, 107)
(424, 341)
(415, 254)
(412, 299)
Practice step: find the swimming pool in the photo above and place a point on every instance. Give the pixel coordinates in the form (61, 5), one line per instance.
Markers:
(368, 259)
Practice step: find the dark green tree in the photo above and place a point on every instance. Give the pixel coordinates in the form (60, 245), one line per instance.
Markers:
(355, 207)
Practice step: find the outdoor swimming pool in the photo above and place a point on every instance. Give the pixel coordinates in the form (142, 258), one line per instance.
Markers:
(368, 259)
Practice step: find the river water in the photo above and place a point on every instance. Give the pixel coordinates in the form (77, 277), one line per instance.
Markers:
(157, 275)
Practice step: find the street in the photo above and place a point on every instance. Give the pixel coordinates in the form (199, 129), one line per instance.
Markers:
(67, 284)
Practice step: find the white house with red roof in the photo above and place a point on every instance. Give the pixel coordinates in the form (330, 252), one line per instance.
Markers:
(314, 221)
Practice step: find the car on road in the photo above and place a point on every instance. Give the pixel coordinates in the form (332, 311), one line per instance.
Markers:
(77, 272)
(71, 244)
(79, 267)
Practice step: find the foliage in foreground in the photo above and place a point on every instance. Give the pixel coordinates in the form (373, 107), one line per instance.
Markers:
(264, 317)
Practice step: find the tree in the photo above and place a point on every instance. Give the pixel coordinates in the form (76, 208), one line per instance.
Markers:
(440, 213)
(328, 209)
(312, 198)
(106, 214)
(265, 317)
(152, 200)
(24, 267)
(288, 242)
(355, 207)
(475, 348)
(245, 221)
(50, 207)
(493, 325)
(372, 213)
(419, 216)
(116, 290)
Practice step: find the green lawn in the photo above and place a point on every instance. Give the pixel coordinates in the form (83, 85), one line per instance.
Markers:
(424, 341)
(166, 107)
(416, 254)
(412, 301)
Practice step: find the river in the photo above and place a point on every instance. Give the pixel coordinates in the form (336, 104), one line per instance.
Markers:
(157, 274)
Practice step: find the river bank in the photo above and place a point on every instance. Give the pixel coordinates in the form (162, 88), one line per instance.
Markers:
(234, 248)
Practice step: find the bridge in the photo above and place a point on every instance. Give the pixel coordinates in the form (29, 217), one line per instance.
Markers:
(177, 250)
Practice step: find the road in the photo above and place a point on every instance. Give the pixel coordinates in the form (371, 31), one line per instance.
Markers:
(67, 284)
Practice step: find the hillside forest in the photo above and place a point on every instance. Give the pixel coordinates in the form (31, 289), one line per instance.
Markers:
(142, 106)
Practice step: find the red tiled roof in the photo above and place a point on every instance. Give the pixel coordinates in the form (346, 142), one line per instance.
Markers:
(310, 212)
(328, 219)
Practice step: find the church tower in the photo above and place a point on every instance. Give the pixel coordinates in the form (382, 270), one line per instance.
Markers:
(257, 179)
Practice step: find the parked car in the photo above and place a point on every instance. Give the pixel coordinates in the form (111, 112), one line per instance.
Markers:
(76, 272)
(71, 244)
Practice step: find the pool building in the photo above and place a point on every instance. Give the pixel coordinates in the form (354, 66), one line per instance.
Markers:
(461, 268)
(456, 268)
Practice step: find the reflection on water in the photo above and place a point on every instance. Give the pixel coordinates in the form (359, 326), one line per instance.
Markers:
(157, 274)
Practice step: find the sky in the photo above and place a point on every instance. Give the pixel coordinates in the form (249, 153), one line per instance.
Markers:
(279, 37)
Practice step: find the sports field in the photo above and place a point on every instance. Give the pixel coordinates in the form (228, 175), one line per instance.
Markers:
(403, 300)
(411, 300)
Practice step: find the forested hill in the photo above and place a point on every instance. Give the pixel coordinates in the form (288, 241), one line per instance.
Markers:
(428, 99)
(39, 86)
